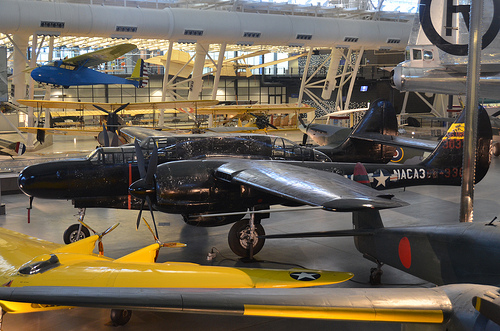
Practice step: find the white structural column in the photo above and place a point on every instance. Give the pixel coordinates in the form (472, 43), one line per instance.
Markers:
(347, 62)
(354, 74)
(331, 76)
(20, 61)
(166, 71)
(20, 43)
(196, 84)
(220, 61)
(304, 76)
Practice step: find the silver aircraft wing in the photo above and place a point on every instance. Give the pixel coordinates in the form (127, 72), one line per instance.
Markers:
(306, 186)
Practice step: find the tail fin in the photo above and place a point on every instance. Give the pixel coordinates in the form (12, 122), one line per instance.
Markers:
(380, 118)
(360, 174)
(448, 154)
(140, 74)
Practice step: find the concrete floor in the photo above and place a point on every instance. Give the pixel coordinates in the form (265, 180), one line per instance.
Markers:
(49, 219)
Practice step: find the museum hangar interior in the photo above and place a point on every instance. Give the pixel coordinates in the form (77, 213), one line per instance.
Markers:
(336, 56)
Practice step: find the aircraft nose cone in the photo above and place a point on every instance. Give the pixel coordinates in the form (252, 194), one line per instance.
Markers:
(397, 79)
(140, 189)
(26, 181)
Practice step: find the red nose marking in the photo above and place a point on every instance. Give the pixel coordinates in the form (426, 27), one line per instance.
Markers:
(404, 251)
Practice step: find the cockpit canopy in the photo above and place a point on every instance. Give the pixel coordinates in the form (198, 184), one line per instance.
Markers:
(40, 264)
(200, 146)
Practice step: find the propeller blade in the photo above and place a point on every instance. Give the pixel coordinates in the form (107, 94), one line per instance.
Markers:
(102, 109)
(100, 247)
(272, 126)
(139, 216)
(87, 226)
(304, 139)
(151, 230)
(114, 141)
(150, 205)
(105, 136)
(153, 163)
(141, 164)
(302, 122)
(173, 244)
(120, 108)
(108, 230)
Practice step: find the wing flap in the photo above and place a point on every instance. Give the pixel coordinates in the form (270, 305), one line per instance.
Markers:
(304, 185)
(352, 314)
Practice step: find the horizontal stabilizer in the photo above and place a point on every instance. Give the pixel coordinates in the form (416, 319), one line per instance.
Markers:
(397, 141)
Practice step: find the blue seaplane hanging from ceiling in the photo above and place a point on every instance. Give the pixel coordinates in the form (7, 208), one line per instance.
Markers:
(76, 70)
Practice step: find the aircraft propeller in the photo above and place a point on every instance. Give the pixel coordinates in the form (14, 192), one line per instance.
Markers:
(113, 123)
(306, 136)
(102, 234)
(262, 121)
(145, 186)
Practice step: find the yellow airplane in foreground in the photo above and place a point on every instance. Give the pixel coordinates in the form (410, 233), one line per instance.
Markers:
(46, 270)
(37, 275)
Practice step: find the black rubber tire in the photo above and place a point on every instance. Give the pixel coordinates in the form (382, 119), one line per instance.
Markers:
(70, 234)
(120, 317)
(236, 238)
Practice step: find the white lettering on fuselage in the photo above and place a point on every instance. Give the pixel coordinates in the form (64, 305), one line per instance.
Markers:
(409, 174)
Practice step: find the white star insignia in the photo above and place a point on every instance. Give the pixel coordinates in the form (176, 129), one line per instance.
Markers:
(381, 179)
(304, 275)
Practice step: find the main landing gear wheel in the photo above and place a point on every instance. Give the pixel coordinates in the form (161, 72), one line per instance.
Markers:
(240, 236)
(120, 316)
(71, 233)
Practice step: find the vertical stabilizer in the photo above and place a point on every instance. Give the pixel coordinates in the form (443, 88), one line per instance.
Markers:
(140, 74)
(380, 118)
(448, 154)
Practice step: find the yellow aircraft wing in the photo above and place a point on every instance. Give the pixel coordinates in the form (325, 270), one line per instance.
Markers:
(243, 109)
(178, 63)
(100, 56)
(62, 131)
(267, 64)
(133, 106)
(36, 275)
(28, 262)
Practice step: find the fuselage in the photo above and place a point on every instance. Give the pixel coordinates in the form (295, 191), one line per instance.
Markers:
(70, 75)
(448, 254)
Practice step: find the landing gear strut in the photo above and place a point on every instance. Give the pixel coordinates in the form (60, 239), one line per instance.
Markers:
(376, 274)
(76, 231)
(243, 237)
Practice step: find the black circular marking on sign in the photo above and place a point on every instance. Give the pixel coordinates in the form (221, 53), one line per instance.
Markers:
(456, 49)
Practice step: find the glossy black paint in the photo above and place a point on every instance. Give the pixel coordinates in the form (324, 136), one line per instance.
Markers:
(103, 179)
(194, 186)
(379, 119)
